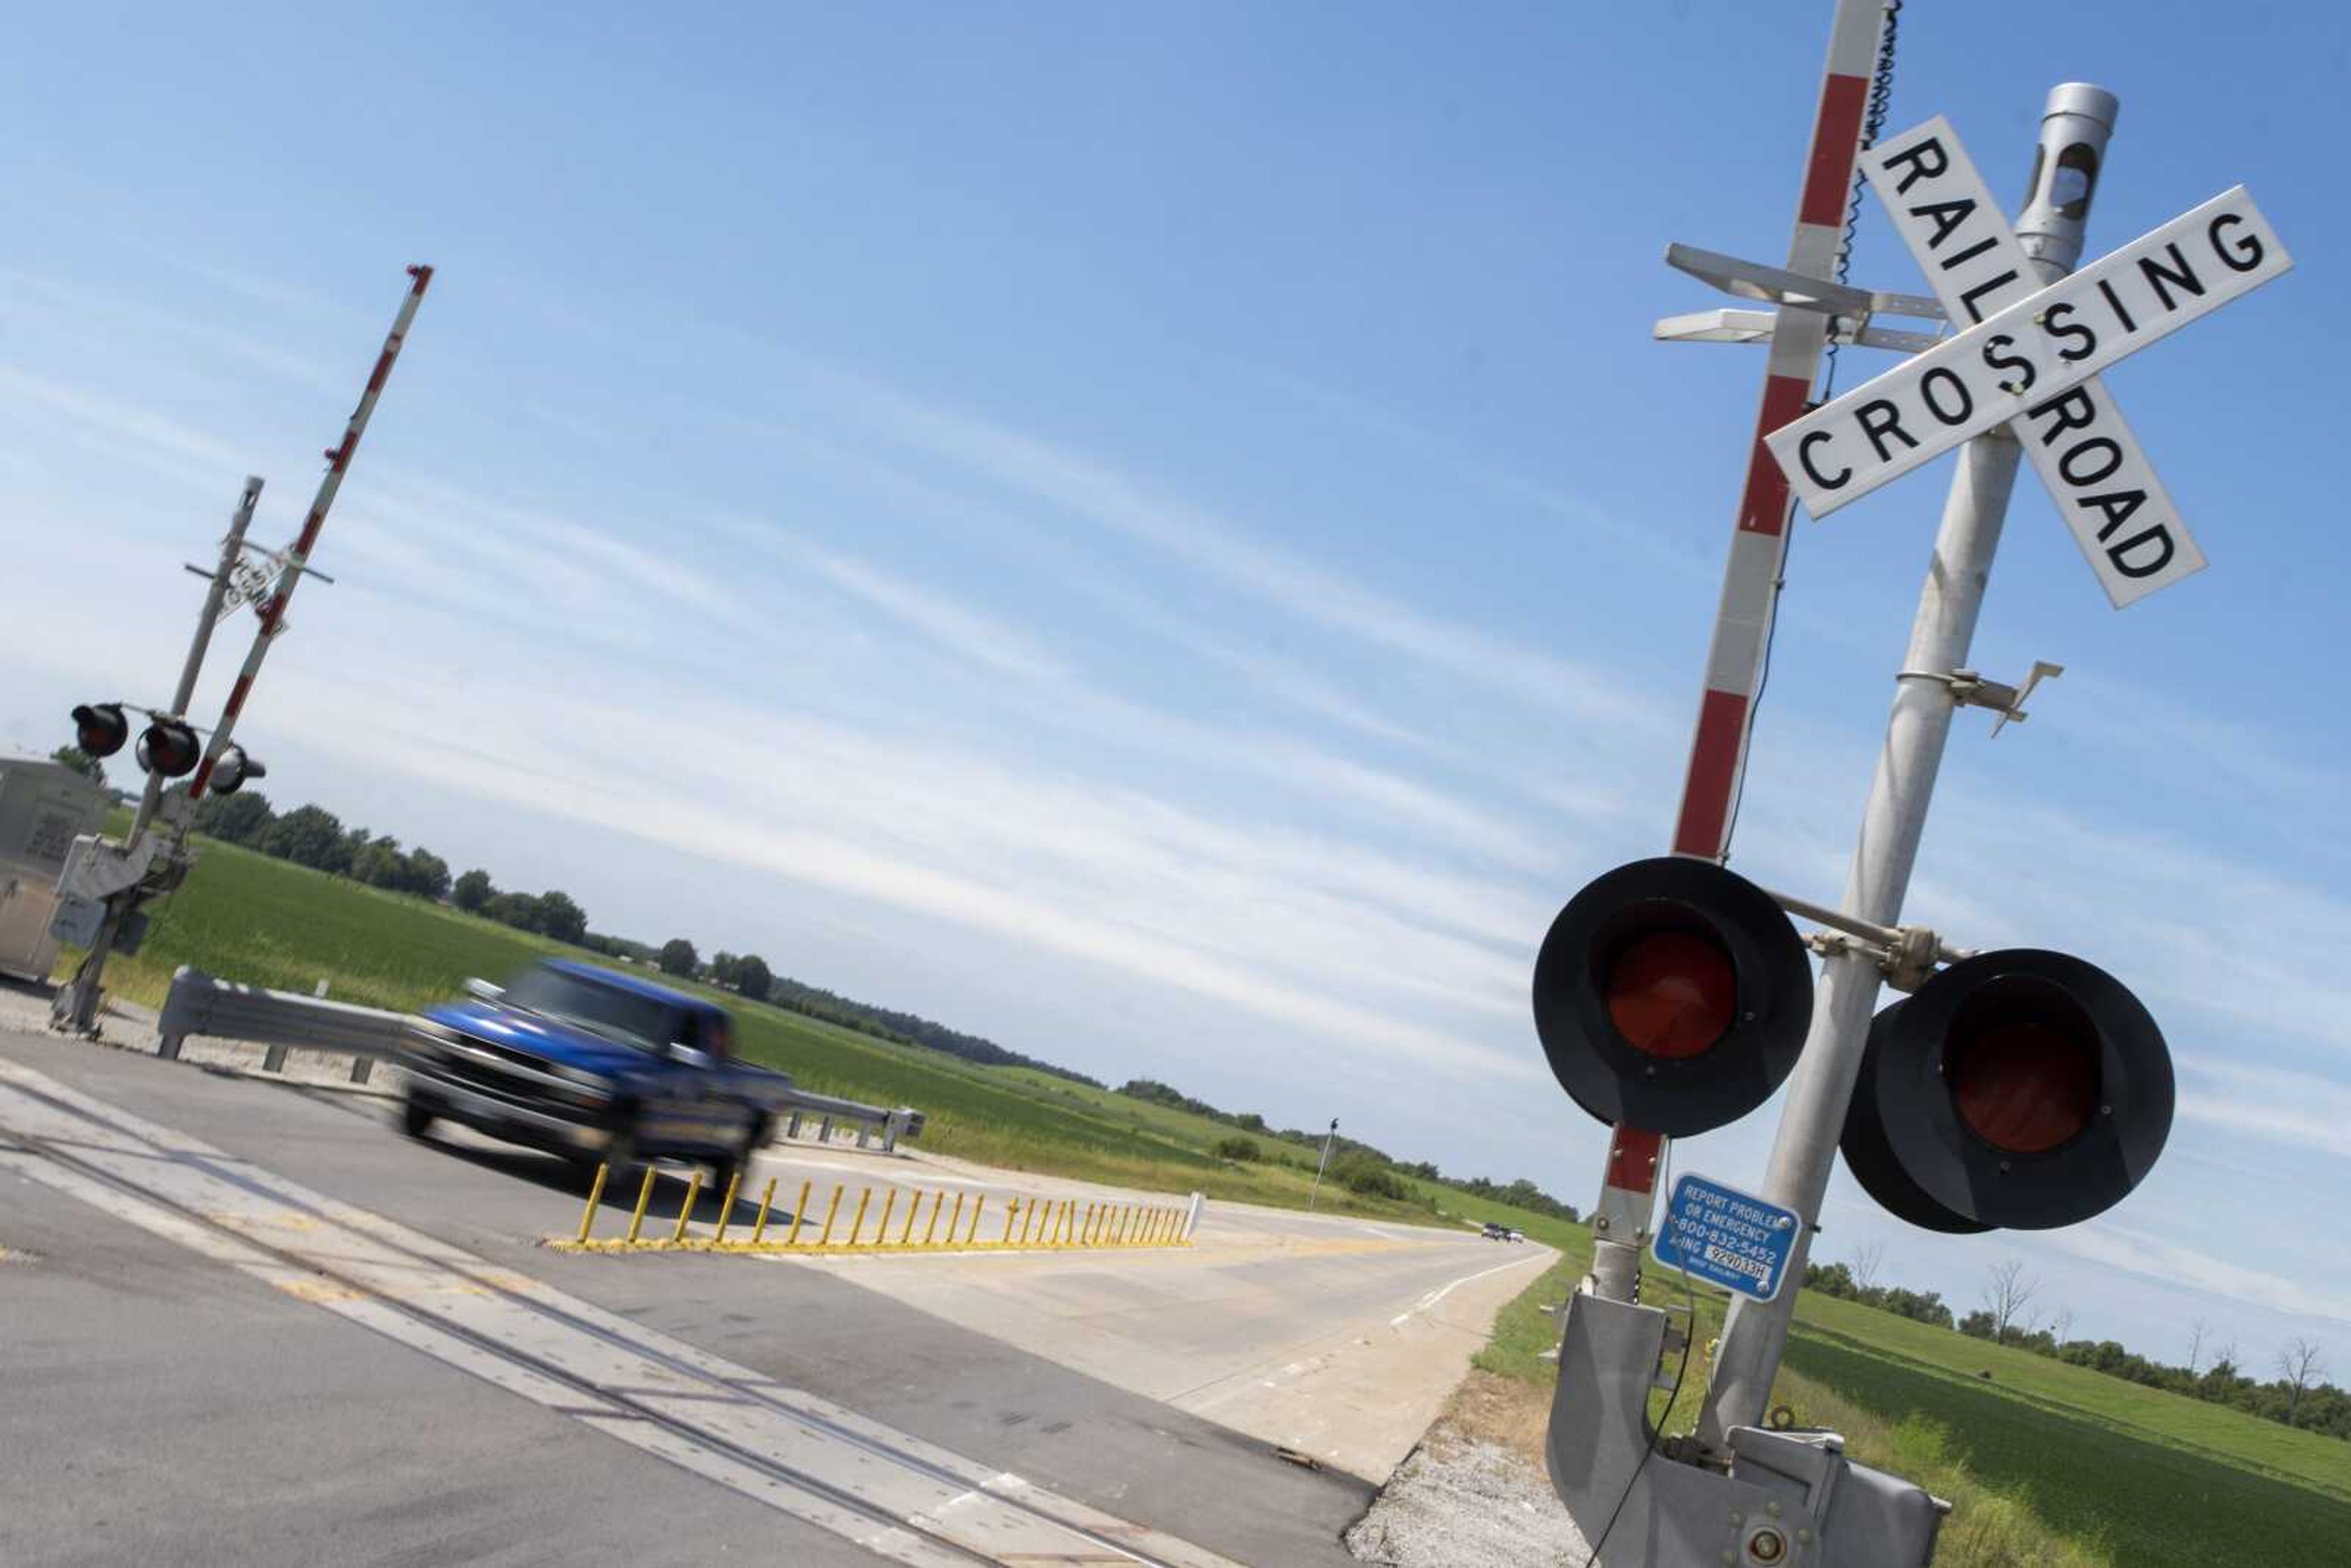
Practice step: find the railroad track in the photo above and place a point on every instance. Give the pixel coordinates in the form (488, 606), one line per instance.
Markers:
(902, 1498)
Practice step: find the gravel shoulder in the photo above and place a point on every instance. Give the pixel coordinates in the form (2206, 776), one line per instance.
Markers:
(1474, 1492)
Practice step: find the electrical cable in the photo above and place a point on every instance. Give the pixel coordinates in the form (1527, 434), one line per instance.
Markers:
(1681, 1370)
(1872, 125)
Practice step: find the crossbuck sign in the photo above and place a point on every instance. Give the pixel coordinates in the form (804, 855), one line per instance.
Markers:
(2031, 357)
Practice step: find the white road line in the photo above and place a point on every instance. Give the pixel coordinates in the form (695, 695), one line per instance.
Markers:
(1430, 1300)
(918, 1505)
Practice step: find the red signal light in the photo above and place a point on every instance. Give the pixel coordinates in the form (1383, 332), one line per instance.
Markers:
(2024, 1088)
(99, 728)
(1672, 993)
(2020, 1089)
(169, 747)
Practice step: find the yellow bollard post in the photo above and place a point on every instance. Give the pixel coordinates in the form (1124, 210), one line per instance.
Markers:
(858, 1224)
(955, 1218)
(727, 1208)
(1086, 1230)
(1012, 1219)
(938, 1202)
(882, 1226)
(595, 1196)
(973, 1234)
(1125, 1219)
(645, 1196)
(686, 1210)
(1066, 1222)
(830, 1210)
(766, 1198)
(799, 1216)
(907, 1234)
(1026, 1226)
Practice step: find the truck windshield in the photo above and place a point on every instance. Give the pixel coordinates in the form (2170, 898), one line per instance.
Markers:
(617, 1014)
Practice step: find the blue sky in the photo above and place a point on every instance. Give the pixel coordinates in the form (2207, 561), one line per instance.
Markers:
(1161, 537)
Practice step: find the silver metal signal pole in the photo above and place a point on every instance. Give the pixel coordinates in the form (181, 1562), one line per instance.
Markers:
(77, 1008)
(1316, 1190)
(1804, 1150)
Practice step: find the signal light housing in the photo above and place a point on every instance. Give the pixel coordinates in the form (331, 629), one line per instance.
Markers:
(1673, 995)
(99, 728)
(235, 770)
(169, 746)
(2021, 1089)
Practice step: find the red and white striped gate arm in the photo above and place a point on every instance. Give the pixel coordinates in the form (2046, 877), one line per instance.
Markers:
(338, 462)
(1759, 543)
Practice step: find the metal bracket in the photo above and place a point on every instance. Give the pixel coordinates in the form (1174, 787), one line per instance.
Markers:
(1778, 286)
(1908, 954)
(1733, 326)
(1970, 689)
(1849, 310)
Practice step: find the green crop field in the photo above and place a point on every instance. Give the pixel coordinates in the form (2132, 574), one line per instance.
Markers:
(2051, 1466)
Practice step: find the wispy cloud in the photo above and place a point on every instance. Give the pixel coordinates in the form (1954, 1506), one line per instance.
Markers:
(2159, 1258)
(1112, 880)
(95, 317)
(951, 625)
(126, 430)
(2274, 1104)
(1078, 485)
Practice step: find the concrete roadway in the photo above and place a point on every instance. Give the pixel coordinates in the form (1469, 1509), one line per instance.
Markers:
(251, 1323)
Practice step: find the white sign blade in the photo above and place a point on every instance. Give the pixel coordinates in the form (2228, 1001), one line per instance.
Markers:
(2028, 354)
(2104, 486)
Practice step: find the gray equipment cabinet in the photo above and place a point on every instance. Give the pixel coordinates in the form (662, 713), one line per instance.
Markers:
(44, 807)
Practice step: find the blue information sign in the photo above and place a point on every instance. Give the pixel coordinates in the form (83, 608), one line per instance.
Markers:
(1726, 1237)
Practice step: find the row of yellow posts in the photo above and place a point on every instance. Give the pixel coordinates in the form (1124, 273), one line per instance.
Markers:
(1037, 1223)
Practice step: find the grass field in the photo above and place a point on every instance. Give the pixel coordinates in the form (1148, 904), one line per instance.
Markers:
(2051, 1466)
(244, 916)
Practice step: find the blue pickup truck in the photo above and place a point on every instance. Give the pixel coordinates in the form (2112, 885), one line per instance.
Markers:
(594, 1065)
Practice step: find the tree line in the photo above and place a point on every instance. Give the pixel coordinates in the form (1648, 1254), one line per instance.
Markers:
(313, 836)
(2297, 1397)
(1358, 1167)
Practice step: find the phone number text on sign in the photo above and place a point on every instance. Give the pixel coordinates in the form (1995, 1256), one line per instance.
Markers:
(1726, 1237)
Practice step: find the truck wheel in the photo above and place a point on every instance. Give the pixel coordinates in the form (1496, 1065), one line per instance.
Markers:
(620, 1153)
(415, 1116)
(722, 1172)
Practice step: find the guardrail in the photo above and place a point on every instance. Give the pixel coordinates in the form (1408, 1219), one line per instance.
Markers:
(1034, 1224)
(221, 1009)
(198, 1004)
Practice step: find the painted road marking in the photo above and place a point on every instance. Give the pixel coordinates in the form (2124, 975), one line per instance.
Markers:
(899, 1498)
(1430, 1300)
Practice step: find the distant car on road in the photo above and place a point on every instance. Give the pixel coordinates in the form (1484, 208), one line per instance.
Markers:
(592, 1065)
(1495, 1231)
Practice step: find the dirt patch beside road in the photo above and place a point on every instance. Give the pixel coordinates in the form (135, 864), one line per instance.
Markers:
(1475, 1489)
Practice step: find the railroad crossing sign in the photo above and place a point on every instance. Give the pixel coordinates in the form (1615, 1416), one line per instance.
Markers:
(2119, 514)
(2034, 358)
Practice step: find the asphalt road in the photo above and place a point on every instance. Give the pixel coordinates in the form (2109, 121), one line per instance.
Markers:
(251, 1323)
